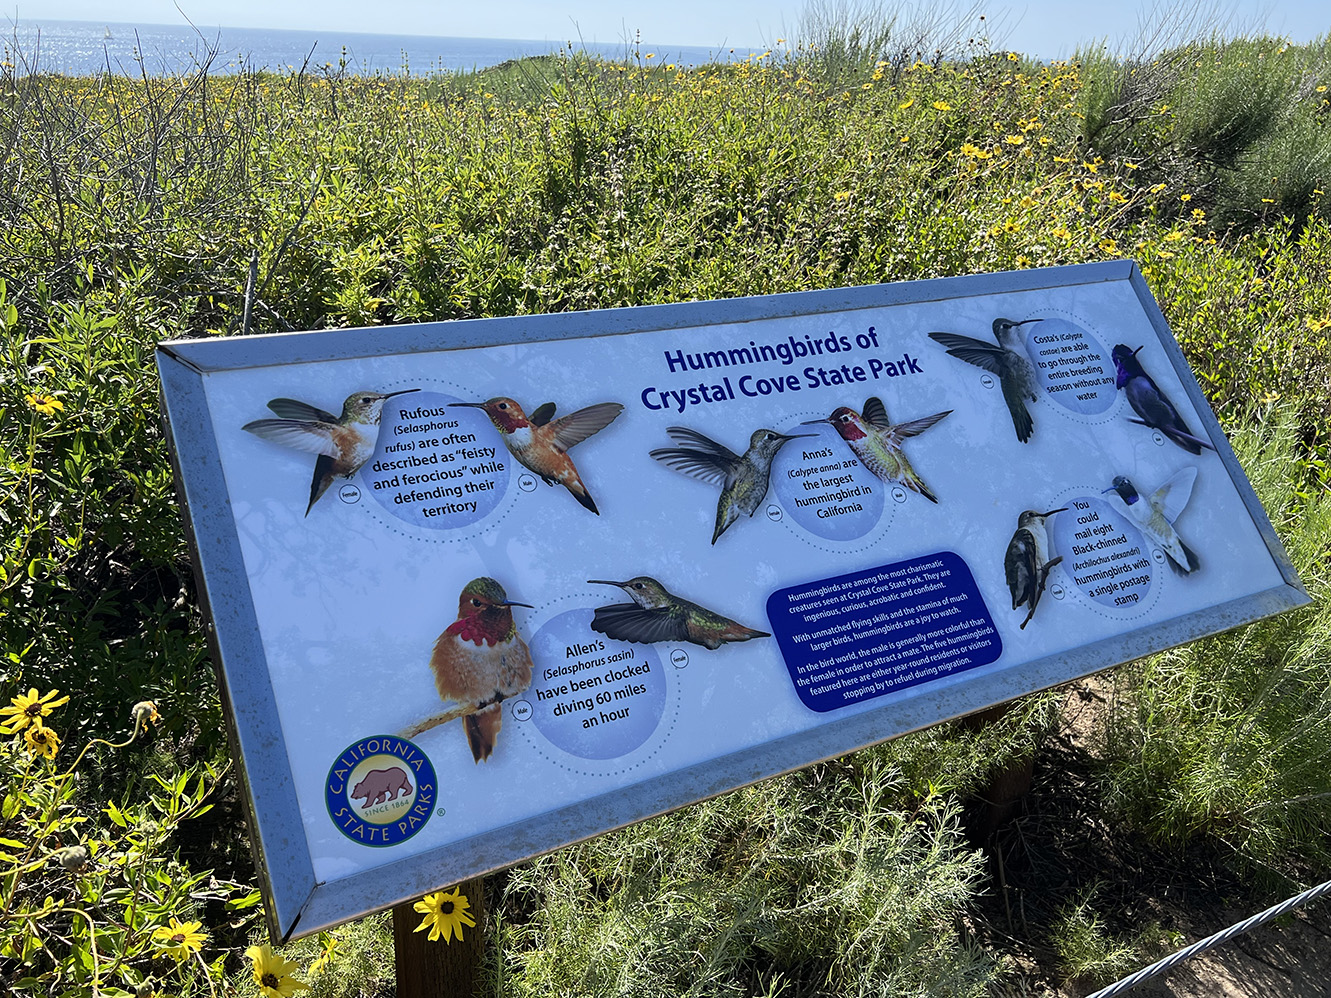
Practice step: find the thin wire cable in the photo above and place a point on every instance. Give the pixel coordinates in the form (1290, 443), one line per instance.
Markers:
(1223, 936)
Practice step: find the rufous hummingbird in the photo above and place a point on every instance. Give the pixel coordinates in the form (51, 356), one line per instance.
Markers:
(1026, 562)
(1007, 359)
(541, 443)
(480, 660)
(344, 443)
(743, 478)
(656, 614)
(877, 442)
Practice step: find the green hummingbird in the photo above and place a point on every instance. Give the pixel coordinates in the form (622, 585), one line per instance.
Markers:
(656, 614)
(743, 478)
(877, 442)
(344, 443)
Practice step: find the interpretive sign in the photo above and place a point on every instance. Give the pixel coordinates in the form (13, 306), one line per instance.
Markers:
(481, 589)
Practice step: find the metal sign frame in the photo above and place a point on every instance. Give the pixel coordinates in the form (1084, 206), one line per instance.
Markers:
(297, 902)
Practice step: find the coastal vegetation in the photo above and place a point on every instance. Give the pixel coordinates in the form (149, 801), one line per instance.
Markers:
(138, 210)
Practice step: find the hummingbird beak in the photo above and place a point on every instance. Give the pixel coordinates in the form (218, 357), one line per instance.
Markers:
(1061, 509)
(1105, 492)
(465, 405)
(607, 582)
(513, 602)
(1139, 350)
(1026, 322)
(404, 391)
(798, 436)
(812, 422)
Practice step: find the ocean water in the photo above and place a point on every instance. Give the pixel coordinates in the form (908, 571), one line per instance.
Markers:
(85, 47)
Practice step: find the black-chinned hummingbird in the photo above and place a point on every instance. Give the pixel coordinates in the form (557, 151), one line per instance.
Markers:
(1026, 563)
(1155, 514)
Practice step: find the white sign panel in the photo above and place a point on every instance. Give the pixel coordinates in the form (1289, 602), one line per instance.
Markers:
(483, 589)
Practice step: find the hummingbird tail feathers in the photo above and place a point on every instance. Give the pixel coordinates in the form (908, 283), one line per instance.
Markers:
(1022, 422)
(483, 731)
(1192, 563)
(323, 477)
(583, 496)
(923, 490)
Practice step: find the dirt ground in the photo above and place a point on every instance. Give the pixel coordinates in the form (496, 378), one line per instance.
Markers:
(1057, 848)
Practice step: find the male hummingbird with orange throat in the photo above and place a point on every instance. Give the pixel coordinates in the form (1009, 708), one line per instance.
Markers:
(541, 443)
(344, 443)
(877, 442)
(480, 661)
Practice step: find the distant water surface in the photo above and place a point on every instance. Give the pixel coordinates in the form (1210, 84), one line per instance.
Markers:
(86, 47)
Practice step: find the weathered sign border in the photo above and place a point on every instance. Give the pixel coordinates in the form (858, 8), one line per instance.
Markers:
(296, 903)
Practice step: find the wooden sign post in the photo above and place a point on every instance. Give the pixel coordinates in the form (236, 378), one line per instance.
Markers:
(439, 969)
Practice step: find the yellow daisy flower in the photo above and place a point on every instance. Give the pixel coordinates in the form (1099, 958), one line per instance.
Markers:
(45, 404)
(1014, 140)
(42, 740)
(29, 708)
(273, 974)
(942, 105)
(179, 940)
(445, 913)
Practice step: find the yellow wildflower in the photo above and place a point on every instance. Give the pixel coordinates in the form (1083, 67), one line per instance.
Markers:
(273, 974)
(179, 940)
(1109, 245)
(45, 404)
(29, 708)
(1185, 197)
(905, 104)
(1116, 197)
(445, 914)
(1173, 237)
(942, 105)
(1014, 140)
(42, 740)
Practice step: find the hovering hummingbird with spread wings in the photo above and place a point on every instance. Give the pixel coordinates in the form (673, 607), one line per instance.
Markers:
(1150, 403)
(1155, 514)
(480, 660)
(656, 614)
(344, 443)
(1008, 361)
(1027, 563)
(877, 442)
(743, 478)
(541, 443)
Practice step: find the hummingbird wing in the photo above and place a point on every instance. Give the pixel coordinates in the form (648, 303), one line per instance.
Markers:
(707, 468)
(578, 426)
(630, 622)
(915, 426)
(1171, 497)
(295, 409)
(542, 415)
(986, 355)
(692, 438)
(875, 413)
(311, 437)
(1019, 567)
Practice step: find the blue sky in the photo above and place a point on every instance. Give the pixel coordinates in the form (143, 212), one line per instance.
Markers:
(1044, 28)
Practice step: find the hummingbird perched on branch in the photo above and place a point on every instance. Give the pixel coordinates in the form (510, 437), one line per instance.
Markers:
(743, 478)
(344, 443)
(480, 661)
(541, 443)
(656, 614)
(1150, 403)
(1026, 563)
(1007, 361)
(1155, 514)
(877, 442)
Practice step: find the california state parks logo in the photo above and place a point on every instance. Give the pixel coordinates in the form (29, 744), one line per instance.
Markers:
(381, 790)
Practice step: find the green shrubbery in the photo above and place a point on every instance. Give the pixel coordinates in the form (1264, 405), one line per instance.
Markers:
(134, 209)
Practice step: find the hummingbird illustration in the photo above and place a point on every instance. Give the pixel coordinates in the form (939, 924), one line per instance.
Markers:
(1150, 403)
(1155, 514)
(656, 614)
(480, 660)
(1027, 562)
(877, 442)
(541, 443)
(743, 478)
(344, 443)
(1007, 360)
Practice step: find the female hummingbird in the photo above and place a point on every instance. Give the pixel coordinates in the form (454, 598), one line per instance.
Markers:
(1026, 563)
(743, 478)
(479, 659)
(877, 442)
(656, 614)
(344, 443)
(1008, 361)
(541, 444)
